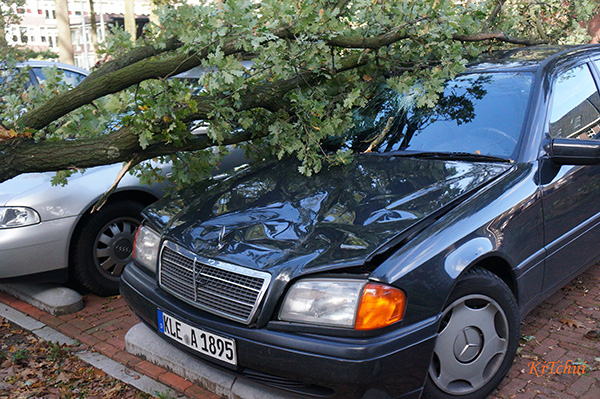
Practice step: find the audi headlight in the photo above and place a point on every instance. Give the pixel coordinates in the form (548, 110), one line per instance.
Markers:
(17, 216)
(145, 249)
(347, 303)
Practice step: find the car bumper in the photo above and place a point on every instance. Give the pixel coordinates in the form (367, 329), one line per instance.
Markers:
(39, 248)
(392, 365)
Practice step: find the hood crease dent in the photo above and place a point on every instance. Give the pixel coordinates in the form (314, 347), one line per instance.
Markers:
(272, 217)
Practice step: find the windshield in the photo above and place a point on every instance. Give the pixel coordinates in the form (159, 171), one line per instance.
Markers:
(481, 114)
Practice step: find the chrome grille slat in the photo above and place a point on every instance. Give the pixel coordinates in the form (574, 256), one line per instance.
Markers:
(229, 282)
(249, 297)
(220, 288)
(223, 297)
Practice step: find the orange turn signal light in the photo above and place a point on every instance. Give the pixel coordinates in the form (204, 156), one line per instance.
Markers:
(380, 306)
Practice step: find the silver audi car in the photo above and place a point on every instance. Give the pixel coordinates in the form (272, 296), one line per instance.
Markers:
(49, 234)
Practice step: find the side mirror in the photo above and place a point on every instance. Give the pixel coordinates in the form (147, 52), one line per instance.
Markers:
(575, 151)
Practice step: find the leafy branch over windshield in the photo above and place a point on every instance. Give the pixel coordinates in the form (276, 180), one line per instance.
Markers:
(313, 63)
(477, 113)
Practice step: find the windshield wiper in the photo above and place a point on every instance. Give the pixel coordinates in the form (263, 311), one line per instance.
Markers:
(451, 155)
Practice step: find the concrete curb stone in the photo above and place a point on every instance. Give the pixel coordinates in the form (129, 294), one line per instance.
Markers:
(51, 298)
(141, 341)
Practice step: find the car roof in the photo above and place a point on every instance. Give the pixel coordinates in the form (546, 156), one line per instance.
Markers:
(526, 58)
(59, 65)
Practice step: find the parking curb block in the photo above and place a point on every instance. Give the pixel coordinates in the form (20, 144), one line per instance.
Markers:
(51, 298)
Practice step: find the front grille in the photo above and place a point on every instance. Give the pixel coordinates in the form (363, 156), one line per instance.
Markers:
(227, 290)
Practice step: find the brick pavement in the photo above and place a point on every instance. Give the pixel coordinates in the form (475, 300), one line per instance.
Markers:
(553, 332)
(101, 326)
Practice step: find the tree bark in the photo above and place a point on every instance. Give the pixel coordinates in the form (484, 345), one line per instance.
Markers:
(103, 83)
(65, 44)
(22, 155)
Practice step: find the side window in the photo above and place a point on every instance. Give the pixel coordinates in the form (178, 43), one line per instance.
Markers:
(73, 78)
(575, 110)
(69, 77)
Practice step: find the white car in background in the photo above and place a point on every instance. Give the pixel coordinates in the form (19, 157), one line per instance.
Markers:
(48, 233)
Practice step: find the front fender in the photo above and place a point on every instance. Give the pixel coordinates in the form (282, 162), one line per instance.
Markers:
(503, 220)
(467, 254)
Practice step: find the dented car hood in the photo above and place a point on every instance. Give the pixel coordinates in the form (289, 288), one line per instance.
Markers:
(271, 216)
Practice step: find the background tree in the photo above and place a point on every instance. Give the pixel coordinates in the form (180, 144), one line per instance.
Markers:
(93, 25)
(130, 26)
(8, 16)
(314, 61)
(63, 26)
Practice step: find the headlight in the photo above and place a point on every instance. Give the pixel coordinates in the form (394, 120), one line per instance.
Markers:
(17, 216)
(343, 303)
(145, 249)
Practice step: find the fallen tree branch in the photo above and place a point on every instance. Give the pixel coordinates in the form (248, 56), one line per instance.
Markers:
(126, 168)
(500, 36)
(113, 82)
(22, 155)
(135, 55)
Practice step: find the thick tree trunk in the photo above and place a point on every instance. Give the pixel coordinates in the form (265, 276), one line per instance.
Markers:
(24, 155)
(594, 29)
(65, 44)
(3, 21)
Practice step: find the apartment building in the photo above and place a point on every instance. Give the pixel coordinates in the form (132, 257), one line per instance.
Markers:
(38, 28)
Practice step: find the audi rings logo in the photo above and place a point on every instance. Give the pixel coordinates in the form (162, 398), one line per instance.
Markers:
(123, 248)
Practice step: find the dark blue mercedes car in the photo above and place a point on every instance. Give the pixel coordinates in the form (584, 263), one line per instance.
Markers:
(404, 274)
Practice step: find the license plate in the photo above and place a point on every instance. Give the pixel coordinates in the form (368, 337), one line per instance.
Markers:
(209, 344)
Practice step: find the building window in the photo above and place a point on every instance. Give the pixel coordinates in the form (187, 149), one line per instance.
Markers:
(574, 97)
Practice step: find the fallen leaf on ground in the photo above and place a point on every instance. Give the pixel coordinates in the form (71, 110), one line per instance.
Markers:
(571, 323)
(99, 373)
(49, 371)
(62, 377)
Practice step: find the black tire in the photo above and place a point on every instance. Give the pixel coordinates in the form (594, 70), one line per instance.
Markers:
(477, 339)
(104, 246)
